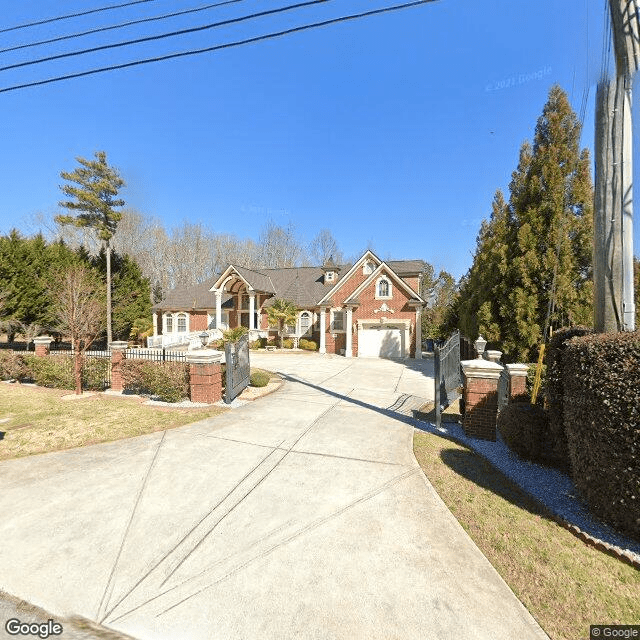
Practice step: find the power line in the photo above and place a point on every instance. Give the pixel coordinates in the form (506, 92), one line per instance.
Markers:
(73, 15)
(119, 26)
(228, 45)
(162, 36)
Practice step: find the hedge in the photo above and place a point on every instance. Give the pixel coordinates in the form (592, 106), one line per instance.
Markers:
(554, 390)
(57, 372)
(309, 345)
(525, 428)
(168, 381)
(601, 376)
(260, 379)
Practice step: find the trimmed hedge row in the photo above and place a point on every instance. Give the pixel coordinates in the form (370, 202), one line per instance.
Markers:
(525, 429)
(168, 381)
(554, 391)
(601, 406)
(57, 372)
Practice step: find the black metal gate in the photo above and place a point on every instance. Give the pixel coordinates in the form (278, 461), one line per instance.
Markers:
(447, 377)
(238, 367)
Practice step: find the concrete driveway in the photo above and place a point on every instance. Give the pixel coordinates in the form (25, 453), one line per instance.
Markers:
(302, 515)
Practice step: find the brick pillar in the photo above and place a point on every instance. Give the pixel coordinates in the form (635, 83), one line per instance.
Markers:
(517, 379)
(42, 345)
(480, 398)
(117, 356)
(205, 375)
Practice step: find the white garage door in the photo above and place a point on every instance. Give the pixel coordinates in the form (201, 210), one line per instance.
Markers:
(381, 341)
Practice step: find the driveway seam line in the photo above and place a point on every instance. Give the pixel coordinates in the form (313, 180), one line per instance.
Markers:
(266, 475)
(128, 527)
(186, 535)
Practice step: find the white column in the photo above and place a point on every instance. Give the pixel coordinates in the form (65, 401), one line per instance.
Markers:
(218, 295)
(155, 324)
(349, 350)
(323, 330)
(252, 310)
(418, 333)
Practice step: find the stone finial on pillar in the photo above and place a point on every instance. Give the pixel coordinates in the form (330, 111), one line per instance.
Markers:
(42, 344)
(205, 375)
(517, 379)
(117, 356)
(481, 379)
(493, 356)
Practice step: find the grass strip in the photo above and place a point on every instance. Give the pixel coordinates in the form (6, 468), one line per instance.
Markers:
(564, 583)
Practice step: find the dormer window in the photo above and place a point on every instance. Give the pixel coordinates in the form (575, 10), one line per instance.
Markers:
(330, 276)
(367, 268)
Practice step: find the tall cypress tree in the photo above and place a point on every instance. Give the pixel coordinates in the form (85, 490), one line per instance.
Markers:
(537, 249)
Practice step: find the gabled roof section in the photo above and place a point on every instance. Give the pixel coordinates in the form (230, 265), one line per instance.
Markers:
(198, 296)
(256, 280)
(383, 267)
(367, 255)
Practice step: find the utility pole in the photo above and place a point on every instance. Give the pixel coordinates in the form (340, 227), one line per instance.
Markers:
(614, 308)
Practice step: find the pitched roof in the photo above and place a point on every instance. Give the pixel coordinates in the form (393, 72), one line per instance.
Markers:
(198, 296)
(303, 285)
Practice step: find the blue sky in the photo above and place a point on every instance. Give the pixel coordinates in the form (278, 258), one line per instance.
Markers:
(393, 131)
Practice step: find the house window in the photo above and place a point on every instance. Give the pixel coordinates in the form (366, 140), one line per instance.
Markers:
(383, 288)
(169, 322)
(330, 276)
(305, 323)
(182, 323)
(337, 320)
(244, 304)
(367, 268)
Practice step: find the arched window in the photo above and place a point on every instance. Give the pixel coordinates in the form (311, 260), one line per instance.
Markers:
(305, 322)
(182, 323)
(169, 322)
(384, 288)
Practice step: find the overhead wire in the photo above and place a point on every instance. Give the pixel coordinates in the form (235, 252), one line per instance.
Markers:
(227, 45)
(121, 25)
(74, 15)
(162, 36)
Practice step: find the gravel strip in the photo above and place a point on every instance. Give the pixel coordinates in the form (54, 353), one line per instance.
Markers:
(551, 487)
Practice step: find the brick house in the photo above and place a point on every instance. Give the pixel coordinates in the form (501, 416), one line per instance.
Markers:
(370, 308)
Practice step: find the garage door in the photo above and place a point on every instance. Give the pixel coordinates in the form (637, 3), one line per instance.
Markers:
(381, 341)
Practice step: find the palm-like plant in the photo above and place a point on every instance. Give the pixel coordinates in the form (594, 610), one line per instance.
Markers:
(282, 312)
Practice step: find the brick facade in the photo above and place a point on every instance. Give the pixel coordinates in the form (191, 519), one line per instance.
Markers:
(205, 382)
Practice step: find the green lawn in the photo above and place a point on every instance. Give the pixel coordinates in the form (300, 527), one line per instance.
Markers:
(564, 583)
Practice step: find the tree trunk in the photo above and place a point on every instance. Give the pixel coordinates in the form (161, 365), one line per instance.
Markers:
(108, 252)
(78, 366)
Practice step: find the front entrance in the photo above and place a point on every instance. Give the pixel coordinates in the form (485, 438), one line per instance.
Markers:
(382, 341)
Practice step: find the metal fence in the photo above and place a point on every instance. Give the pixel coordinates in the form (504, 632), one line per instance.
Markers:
(18, 346)
(96, 367)
(156, 355)
(447, 376)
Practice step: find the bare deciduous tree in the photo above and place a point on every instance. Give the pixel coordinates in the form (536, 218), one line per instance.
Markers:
(80, 311)
(280, 247)
(323, 247)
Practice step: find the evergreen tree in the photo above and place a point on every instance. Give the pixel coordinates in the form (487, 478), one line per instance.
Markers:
(95, 200)
(536, 249)
(131, 292)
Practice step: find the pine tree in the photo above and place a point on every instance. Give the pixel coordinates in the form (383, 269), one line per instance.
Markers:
(95, 200)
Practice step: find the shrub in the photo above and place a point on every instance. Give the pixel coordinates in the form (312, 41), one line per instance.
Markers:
(168, 381)
(12, 366)
(524, 428)
(287, 343)
(256, 344)
(232, 335)
(259, 378)
(554, 390)
(601, 377)
(309, 345)
(53, 371)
